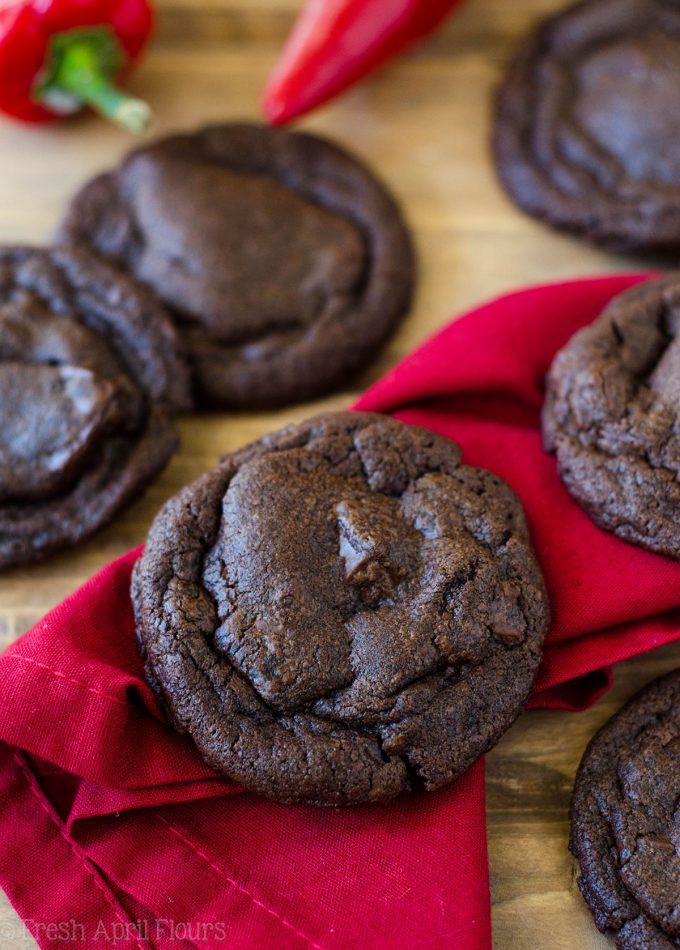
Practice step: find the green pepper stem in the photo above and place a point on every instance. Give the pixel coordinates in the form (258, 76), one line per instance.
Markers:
(82, 72)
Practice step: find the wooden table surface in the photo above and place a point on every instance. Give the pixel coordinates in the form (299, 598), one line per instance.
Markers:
(423, 123)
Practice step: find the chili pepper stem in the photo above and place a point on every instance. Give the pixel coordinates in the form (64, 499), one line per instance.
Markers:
(99, 92)
(82, 73)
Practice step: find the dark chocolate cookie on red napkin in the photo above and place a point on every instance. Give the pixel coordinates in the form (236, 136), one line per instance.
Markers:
(342, 611)
(108, 815)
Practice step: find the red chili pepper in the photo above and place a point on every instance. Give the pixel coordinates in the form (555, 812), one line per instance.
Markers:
(336, 42)
(59, 55)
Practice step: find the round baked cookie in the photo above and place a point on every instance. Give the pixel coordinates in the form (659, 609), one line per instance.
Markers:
(90, 374)
(625, 820)
(282, 260)
(612, 416)
(587, 135)
(342, 611)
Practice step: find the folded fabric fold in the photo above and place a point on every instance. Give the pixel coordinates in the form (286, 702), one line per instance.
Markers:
(111, 824)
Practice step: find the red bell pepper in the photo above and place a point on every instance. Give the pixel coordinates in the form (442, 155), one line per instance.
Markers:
(336, 42)
(59, 55)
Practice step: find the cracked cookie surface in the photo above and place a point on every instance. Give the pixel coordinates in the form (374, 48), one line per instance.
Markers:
(284, 263)
(586, 133)
(342, 611)
(90, 375)
(625, 821)
(611, 416)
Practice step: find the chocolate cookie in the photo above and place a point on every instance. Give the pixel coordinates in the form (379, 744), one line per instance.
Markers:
(342, 611)
(625, 820)
(612, 416)
(284, 263)
(89, 377)
(587, 130)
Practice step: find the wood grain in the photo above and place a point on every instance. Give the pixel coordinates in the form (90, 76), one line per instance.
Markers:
(424, 124)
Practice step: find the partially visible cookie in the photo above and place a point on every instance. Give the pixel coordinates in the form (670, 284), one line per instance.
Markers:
(342, 611)
(612, 416)
(587, 130)
(283, 261)
(90, 376)
(625, 820)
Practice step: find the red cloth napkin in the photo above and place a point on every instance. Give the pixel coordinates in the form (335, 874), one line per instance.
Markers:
(111, 828)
